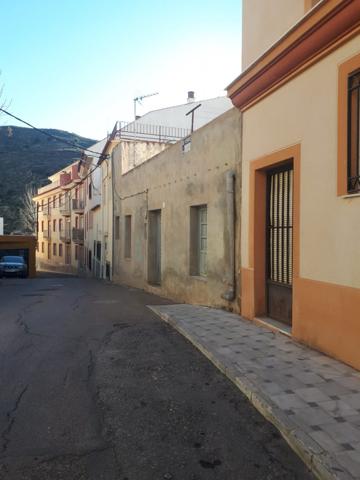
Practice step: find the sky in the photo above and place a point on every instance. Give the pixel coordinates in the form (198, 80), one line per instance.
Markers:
(77, 65)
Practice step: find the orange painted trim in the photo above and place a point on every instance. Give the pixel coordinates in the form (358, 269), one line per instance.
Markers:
(253, 295)
(309, 4)
(345, 69)
(325, 317)
(326, 25)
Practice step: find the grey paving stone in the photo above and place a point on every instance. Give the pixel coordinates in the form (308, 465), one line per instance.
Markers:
(312, 394)
(289, 401)
(337, 408)
(327, 442)
(351, 461)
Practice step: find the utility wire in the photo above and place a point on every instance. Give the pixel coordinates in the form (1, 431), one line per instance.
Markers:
(50, 134)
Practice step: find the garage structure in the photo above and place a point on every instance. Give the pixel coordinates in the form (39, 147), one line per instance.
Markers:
(20, 245)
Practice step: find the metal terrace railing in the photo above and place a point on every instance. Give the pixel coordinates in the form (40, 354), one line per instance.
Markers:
(155, 133)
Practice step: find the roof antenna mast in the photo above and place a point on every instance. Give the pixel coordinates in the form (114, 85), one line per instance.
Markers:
(138, 100)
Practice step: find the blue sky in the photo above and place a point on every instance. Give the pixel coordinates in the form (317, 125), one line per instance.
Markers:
(77, 65)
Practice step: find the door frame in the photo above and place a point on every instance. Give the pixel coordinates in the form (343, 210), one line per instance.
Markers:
(254, 294)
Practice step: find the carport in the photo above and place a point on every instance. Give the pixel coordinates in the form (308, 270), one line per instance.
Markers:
(20, 245)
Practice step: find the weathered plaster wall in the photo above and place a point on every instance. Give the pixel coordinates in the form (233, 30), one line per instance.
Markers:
(172, 182)
(134, 153)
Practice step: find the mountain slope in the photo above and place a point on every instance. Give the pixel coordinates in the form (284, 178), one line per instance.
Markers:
(27, 158)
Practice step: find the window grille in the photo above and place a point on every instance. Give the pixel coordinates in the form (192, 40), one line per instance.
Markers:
(354, 133)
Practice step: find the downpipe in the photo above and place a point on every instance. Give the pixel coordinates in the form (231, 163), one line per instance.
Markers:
(229, 295)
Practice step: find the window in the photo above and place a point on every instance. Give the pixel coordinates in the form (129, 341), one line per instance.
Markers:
(127, 249)
(198, 240)
(42, 247)
(76, 252)
(117, 228)
(49, 250)
(54, 248)
(54, 225)
(348, 181)
(354, 133)
(60, 224)
(54, 201)
(90, 190)
(60, 250)
(42, 225)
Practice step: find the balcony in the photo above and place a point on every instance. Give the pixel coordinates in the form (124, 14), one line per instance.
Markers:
(75, 174)
(65, 235)
(78, 205)
(47, 234)
(65, 181)
(78, 235)
(65, 209)
(46, 210)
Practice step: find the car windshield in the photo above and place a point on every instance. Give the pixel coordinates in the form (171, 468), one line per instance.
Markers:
(11, 259)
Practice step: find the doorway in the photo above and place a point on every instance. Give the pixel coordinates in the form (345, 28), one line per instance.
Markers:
(154, 247)
(279, 243)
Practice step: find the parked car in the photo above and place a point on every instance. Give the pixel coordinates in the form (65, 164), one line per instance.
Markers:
(12, 265)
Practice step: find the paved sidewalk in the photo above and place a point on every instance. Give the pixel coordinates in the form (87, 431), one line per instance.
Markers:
(312, 399)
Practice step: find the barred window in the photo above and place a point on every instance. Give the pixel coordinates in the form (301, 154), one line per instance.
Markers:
(354, 133)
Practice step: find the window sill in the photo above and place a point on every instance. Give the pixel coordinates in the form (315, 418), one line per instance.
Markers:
(199, 277)
(350, 195)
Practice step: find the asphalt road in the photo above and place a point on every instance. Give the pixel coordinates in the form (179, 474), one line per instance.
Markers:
(94, 386)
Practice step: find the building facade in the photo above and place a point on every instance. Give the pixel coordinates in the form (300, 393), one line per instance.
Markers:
(299, 95)
(60, 223)
(175, 221)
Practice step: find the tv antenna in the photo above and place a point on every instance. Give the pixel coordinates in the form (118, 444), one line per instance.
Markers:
(192, 111)
(141, 97)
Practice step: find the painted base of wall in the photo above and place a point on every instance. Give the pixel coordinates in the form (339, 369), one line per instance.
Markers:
(326, 316)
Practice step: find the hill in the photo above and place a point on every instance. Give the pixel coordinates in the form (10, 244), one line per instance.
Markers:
(27, 158)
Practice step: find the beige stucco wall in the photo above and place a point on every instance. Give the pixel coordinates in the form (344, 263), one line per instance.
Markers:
(305, 111)
(175, 181)
(264, 22)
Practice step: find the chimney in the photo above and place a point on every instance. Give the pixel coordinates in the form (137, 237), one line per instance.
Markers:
(191, 97)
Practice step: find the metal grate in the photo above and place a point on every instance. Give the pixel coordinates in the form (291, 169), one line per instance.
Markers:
(354, 133)
(280, 226)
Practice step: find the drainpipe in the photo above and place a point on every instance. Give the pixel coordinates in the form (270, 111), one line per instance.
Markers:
(113, 217)
(229, 295)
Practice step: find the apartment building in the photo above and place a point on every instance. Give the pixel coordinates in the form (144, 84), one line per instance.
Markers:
(299, 95)
(60, 224)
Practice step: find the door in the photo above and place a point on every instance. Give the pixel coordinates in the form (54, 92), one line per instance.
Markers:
(154, 247)
(280, 243)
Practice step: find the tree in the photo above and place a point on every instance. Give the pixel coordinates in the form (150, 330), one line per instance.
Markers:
(28, 213)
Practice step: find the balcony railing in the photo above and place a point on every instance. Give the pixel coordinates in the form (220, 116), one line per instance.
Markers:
(65, 209)
(137, 130)
(47, 234)
(78, 205)
(65, 235)
(78, 235)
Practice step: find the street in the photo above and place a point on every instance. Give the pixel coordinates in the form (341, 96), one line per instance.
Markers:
(95, 386)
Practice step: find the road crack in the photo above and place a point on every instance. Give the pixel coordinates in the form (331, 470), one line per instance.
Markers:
(11, 416)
